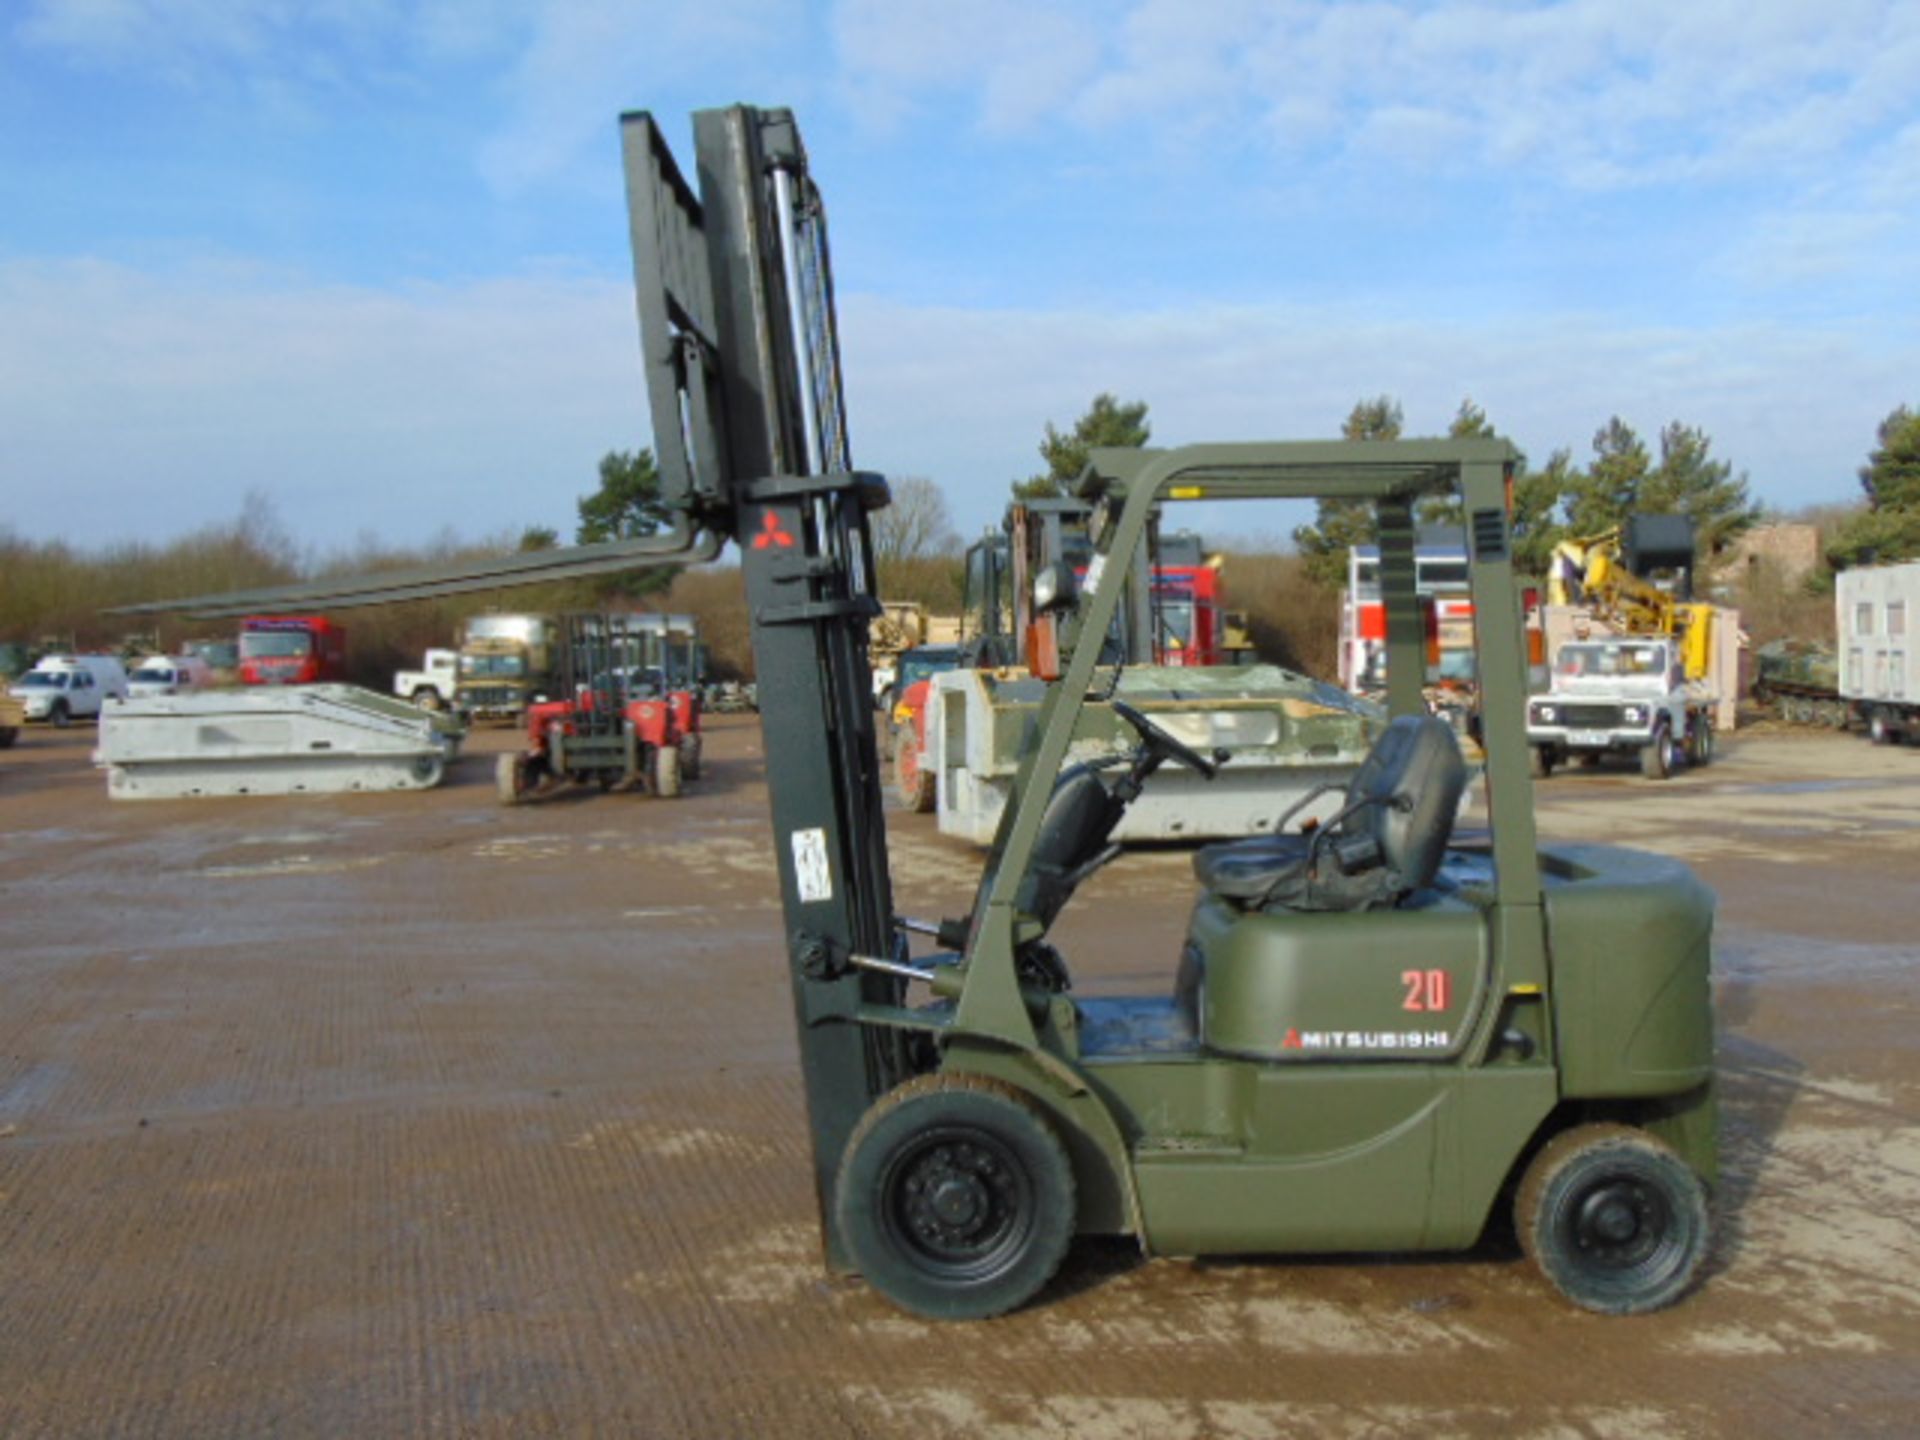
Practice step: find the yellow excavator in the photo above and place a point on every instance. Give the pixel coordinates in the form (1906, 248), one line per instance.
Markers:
(1605, 574)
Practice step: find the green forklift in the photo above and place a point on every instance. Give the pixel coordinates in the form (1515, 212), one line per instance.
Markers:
(1379, 1032)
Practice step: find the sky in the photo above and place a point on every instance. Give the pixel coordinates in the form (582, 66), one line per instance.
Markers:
(368, 258)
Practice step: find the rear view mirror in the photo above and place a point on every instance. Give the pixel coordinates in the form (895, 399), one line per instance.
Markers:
(1054, 589)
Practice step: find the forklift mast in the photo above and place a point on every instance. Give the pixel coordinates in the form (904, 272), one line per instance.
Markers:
(742, 361)
(1000, 567)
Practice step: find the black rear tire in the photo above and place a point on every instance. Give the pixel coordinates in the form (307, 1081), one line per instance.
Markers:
(955, 1198)
(1656, 757)
(1616, 1221)
(1700, 742)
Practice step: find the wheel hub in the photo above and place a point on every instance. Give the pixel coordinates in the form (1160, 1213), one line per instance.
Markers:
(1616, 1224)
(958, 1199)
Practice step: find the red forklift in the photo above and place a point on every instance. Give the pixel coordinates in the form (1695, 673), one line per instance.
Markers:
(616, 720)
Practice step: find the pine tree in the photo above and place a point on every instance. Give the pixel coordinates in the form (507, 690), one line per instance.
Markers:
(1339, 525)
(1608, 491)
(1889, 529)
(1106, 423)
(1688, 482)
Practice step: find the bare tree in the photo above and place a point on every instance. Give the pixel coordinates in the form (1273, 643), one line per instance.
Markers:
(916, 526)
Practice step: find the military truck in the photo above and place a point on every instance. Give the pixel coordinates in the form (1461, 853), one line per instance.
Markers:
(506, 664)
(1800, 680)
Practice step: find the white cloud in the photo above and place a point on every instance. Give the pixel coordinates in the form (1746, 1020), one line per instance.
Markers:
(1021, 59)
(197, 43)
(141, 403)
(963, 395)
(146, 403)
(588, 60)
(1599, 93)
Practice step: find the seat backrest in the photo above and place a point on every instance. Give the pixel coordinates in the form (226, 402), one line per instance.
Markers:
(1409, 791)
(1080, 818)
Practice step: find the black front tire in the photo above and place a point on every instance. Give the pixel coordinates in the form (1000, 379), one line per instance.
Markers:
(60, 715)
(1540, 760)
(1616, 1221)
(955, 1198)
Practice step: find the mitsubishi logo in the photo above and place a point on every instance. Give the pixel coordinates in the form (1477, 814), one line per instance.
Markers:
(771, 536)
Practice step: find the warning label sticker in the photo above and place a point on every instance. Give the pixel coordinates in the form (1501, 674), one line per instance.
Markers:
(811, 873)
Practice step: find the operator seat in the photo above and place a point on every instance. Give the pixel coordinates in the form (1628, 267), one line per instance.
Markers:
(1386, 842)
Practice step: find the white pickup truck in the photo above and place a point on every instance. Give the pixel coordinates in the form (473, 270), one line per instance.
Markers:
(430, 687)
(1621, 697)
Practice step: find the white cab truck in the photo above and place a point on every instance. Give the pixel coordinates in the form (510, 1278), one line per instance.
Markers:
(430, 687)
(1876, 607)
(168, 675)
(65, 688)
(1626, 695)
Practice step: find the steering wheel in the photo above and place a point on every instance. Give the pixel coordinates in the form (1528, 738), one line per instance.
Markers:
(1155, 738)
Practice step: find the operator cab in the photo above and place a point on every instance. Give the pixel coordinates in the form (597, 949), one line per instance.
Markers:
(1272, 969)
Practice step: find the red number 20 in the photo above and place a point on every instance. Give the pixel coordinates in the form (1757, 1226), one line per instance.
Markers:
(1426, 990)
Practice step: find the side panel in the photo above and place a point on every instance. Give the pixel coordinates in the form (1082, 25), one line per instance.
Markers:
(1344, 1161)
(1305, 987)
(1326, 1158)
(1632, 945)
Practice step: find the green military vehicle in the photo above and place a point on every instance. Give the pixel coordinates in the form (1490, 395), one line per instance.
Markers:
(1377, 1032)
(1800, 679)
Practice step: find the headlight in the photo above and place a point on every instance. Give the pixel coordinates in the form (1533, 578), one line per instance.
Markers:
(1545, 714)
(1635, 714)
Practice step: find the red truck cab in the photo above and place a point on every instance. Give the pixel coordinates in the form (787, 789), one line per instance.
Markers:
(291, 650)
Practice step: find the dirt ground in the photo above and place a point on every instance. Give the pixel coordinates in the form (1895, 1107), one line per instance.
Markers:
(413, 1115)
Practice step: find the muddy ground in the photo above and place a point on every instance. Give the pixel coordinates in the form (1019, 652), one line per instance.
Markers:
(411, 1115)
